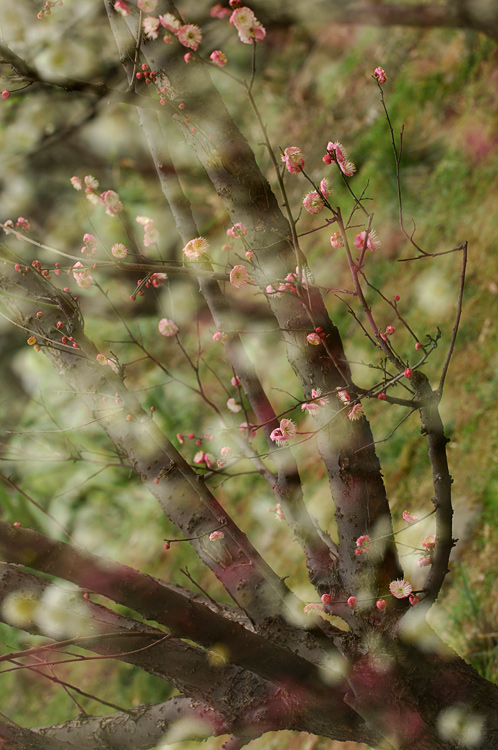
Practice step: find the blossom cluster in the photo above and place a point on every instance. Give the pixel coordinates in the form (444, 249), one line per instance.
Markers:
(109, 198)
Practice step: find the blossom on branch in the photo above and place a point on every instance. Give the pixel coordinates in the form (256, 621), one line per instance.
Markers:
(285, 432)
(337, 151)
(239, 276)
(190, 36)
(400, 589)
(293, 158)
(196, 247)
(313, 202)
(167, 327)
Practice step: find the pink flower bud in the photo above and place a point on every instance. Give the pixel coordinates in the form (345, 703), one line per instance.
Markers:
(326, 599)
(382, 396)
(408, 372)
(381, 604)
(390, 330)
(5, 94)
(352, 601)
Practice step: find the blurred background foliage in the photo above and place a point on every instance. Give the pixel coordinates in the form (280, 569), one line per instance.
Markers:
(313, 85)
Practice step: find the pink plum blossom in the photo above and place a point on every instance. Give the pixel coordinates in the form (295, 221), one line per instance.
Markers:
(5, 94)
(339, 152)
(356, 413)
(218, 58)
(390, 330)
(313, 339)
(380, 604)
(220, 336)
(215, 535)
(336, 240)
(243, 19)
(233, 405)
(237, 231)
(119, 250)
(423, 562)
(285, 432)
(409, 517)
(325, 188)
(352, 601)
(408, 372)
(239, 276)
(326, 599)
(76, 183)
(363, 543)
(400, 589)
(196, 247)
(23, 224)
(190, 36)
(113, 205)
(380, 75)
(414, 599)
(373, 241)
(170, 22)
(428, 541)
(167, 327)
(151, 27)
(293, 158)
(343, 396)
(121, 7)
(313, 202)
(218, 11)
(82, 276)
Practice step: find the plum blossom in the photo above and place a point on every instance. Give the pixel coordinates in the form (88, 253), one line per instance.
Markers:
(340, 154)
(356, 413)
(400, 589)
(76, 183)
(23, 224)
(326, 599)
(277, 509)
(313, 202)
(82, 276)
(196, 247)
(343, 396)
(423, 562)
(233, 405)
(121, 7)
(285, 432)
(313, 339)
(190, 36)
(151, 233)
(218, 11)
(167, 327)
(380, 75)
(373, 241)
(428, 542)
(314, 406)
(243, 19)
(408, 372)
(119, 250)
(218, 58)
(5, 94)
(215, 535)
(352, 601)
(91, 182)
(170, 22)
(220, 336)
(380, 604)
(248, 27)
(410, 517)
(414, 599)
(336, 240)
(151, 25)
(293, 158)
(325, 188)
(363, 544)
(110, 200)
(239, 276)
(237, 231)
